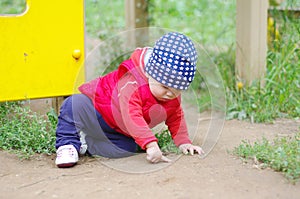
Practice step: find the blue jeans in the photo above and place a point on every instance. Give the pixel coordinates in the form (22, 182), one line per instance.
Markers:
(77, 114)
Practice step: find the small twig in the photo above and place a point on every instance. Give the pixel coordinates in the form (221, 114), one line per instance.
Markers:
(204, 119)
(78, 174)
(3, 175)
(31, 184)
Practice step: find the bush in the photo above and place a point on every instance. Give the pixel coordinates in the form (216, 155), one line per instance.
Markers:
(26, 132)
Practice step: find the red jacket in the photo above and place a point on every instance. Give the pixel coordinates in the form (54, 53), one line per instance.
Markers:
(124, 100)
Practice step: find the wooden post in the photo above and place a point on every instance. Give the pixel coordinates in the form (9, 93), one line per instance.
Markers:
(251, 39)
(136, 15)
(56, 103)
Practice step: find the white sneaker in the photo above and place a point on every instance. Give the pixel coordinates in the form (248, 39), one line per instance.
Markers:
(67, 156)
(83, 147)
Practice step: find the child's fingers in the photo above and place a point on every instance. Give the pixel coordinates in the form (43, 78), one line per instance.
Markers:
(200, 151)
(165, 159)
(191, 150)
(197, 149)
(184, 151)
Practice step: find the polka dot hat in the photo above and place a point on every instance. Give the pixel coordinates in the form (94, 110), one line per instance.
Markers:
(173, 61)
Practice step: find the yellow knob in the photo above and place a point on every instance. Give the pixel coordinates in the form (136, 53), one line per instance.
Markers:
(76, 53)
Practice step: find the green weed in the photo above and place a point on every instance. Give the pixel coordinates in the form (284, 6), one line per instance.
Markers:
(166, 143)
(281, 154)
(26, 132)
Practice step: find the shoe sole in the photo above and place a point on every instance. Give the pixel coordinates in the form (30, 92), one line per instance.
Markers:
(66, 165)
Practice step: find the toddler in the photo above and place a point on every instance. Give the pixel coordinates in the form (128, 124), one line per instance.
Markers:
(115, 113)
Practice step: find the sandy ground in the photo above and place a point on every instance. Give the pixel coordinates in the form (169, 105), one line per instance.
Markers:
(218, 175)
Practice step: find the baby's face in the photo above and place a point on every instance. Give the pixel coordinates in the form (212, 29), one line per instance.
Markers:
(162, 92)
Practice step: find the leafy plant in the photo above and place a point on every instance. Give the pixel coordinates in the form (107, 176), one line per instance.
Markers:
(26, 132)
(282, 154)
(165, 142)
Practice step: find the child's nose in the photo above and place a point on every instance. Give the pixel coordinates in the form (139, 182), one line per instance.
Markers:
(170, 94)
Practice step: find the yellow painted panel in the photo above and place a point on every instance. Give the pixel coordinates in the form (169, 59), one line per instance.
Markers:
(36, 50)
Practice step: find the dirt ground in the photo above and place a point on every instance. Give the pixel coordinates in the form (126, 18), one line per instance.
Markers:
(218, 175)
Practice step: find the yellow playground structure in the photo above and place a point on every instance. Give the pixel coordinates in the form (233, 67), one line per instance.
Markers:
(42, 50)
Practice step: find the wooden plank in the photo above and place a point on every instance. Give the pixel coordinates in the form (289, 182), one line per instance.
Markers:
(136, 17)
(56, 103)
(251, 39)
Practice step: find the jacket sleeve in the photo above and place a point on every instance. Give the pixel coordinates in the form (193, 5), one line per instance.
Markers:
(131, 111)
(177, 126)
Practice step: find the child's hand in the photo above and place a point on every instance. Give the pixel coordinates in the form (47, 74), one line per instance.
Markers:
(154, 154)
(186, 148)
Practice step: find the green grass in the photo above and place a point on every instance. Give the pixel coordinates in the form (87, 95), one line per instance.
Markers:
(281, 154)
(101, 20)
(165, 142)
(25, 132)
(209, 22)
